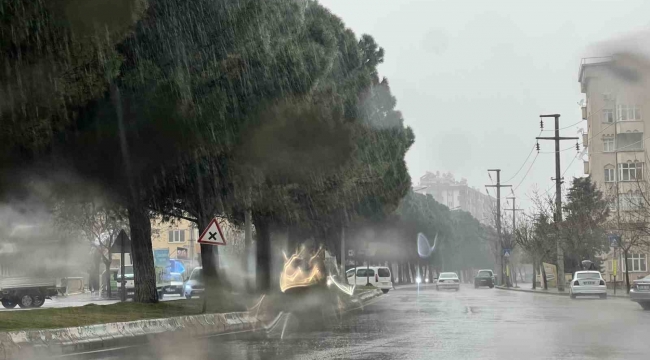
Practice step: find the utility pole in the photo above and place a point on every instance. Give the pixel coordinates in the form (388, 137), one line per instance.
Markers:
(514, 227)
(499, 186)
(558, 195)
(343, 246)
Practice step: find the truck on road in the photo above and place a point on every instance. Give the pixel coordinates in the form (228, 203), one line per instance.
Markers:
(28, 292)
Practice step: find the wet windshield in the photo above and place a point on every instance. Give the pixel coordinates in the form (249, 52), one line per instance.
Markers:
(197, 275)
(324, 179)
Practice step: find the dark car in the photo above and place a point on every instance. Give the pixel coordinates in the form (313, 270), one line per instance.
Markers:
(484, 278)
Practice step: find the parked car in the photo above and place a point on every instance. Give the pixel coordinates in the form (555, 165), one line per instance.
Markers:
(194, 285)
(175, 285)
(588, 283)
(484, 278)
(129, 279)
(377, 276)
(448, 280)
(640, 292)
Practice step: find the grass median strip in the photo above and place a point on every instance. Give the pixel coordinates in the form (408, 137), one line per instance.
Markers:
(100, 314)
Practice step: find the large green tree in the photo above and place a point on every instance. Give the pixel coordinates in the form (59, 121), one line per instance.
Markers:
(584, 226)
(56, 57)
(206, 93)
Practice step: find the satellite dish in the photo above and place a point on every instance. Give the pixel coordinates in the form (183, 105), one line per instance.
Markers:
(424, 247)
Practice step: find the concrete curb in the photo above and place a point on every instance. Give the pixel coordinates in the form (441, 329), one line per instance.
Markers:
(26, 344)
(543, 292)
(53, 342)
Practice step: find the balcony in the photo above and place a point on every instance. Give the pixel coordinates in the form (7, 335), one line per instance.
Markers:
(630, 142)
(636, 126)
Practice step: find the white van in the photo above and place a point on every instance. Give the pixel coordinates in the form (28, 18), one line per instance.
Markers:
(377, 276)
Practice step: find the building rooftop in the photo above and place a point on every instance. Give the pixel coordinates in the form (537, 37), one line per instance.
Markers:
(591, 61)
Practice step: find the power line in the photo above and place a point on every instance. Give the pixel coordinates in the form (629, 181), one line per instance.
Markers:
(553, 152)
(566, 127)
(524, 163)
(528, 171)
(567, 168)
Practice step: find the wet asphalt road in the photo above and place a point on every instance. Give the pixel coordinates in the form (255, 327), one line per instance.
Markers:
(407, 324)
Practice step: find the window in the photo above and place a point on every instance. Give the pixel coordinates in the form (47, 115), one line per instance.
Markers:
(608, 115)
(365, 273)
(608, 144)
(197, 274)
(630, 171)
(628, 112)
(176, 236)
(632, 141)
(448, 276)
(631, 200)
(383, 272)
(610, 175)
(637, 262)
(588, 275)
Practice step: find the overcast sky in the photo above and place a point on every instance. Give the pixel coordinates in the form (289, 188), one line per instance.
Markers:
(472, 77)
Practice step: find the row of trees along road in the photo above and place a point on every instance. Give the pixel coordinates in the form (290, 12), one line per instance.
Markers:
(462, 241)
(201, 109)
(584, 228)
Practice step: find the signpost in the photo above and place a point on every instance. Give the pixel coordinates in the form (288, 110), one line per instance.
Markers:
(212, 235)
(614, 241)
(122, 245)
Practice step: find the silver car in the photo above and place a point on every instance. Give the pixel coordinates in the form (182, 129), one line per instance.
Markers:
(448, 280)
(640, 292)
(588, 283)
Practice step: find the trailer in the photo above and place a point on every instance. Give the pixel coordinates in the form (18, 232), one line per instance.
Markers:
(28, 292)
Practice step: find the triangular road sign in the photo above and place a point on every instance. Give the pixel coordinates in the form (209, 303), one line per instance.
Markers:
(212, 235)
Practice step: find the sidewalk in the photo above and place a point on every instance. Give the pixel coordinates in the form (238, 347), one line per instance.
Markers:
(553, 291)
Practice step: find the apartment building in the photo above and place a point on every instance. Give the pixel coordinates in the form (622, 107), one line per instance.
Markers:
(456, 195)
(617, 110)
